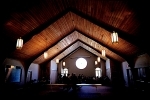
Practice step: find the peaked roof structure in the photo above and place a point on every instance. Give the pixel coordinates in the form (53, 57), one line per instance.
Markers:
(61, 26)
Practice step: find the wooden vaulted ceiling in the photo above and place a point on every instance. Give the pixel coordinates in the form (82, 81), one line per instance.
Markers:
(61, 26)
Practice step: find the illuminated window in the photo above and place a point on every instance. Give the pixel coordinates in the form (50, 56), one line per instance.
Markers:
(81, 63)
(65, 71)
(98, 72)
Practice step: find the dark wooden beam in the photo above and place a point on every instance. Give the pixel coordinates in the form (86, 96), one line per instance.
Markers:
(135, 40)
(115, 51)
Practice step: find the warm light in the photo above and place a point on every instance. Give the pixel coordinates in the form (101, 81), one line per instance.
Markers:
(57, 60)
(12, 66)
(114, 37)
(45, 55)
(98, 59)
(103, 53)
(95, 62)
(19, 44)
(64, 63)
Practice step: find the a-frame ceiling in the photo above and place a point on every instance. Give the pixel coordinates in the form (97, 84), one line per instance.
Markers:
(77, 40)
(61, 26)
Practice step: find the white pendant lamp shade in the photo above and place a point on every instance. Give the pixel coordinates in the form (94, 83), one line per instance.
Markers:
(19, 44)
(98, 59)
(57, 61)
(45, 55)
(103, 53)
(95, 62)
(64, 63)
(114, 37)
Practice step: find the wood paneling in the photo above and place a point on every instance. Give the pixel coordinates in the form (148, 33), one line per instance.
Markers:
(53, 25)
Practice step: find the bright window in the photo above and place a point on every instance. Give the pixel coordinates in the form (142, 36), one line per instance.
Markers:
(81, 63)
(98, 72)
(66, 71)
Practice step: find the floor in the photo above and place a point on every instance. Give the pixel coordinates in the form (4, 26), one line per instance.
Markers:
(82, 92)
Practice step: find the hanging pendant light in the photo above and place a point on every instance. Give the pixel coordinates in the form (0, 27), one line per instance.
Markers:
(103, 53)
(19, 44)
(98, 59)
(57, 61)
(45, 55)
(114, 37)
(64, 63)
(95, 62)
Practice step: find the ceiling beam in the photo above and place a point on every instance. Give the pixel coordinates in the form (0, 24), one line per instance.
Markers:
(48, 47)
(97, 50)
(130, 38)
(100, 24)
(102, 44)
(47, 60)
(73, 51)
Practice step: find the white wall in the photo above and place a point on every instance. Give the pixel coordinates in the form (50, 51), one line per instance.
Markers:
(53, 72)
(124, 68)
(108, 70)
(34, 68)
